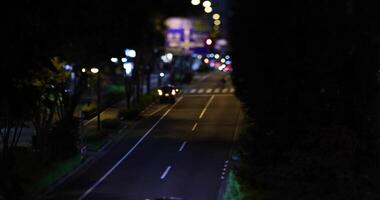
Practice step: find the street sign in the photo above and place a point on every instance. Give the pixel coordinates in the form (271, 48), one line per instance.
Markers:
(185, 36)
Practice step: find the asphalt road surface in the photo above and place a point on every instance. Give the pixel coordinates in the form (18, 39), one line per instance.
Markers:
(182, 150)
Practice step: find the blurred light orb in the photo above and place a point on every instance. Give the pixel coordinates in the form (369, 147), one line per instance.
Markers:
(209, 42)
(216, 16)
(206, 4)
(217, 22)
(114, 60)
(195, 2)
(208, 9)
(94, 70)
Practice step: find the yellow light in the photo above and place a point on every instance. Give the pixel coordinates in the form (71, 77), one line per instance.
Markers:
(216, 16)
(159, 92)
(83, 70)
(195, 2)
(206, 60)
(94, 70)
(217, 22)
(206, 4)
(208, 9)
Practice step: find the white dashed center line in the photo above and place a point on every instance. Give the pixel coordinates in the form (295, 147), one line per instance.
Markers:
(194, 127)
(165, 172)
(182, 146)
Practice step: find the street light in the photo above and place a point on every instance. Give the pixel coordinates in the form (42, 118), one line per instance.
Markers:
(217, 22)
(206, 4)
(209, 42)
(114, 60)
(96, 71)
(216, 16)
(195, 2)
(208, 9)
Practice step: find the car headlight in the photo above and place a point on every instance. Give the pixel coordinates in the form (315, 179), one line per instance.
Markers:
(177, 90)
(159, 92)
(173, 92)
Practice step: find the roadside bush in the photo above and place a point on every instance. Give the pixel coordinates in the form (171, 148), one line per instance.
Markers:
(188, 77)
(133, 113)
(129, 114)
(95, 135)
(111, 124)
(111, 98)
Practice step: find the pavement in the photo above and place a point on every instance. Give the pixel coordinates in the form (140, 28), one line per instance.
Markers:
(180, 150)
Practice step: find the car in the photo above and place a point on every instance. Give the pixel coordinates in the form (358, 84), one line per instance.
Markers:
(168, 93)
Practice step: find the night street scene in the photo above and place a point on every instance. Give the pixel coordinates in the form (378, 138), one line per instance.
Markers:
(190, 100)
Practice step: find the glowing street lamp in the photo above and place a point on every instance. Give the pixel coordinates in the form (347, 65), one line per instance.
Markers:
(208, 9)
(217, 22)
(195, 2)
(128, 68)
(216, 16)
(114, 60)
(209, 42)
(130, 53)
(206, 4)
(94, 70)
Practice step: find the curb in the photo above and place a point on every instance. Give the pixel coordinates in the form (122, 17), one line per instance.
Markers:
(59, 182)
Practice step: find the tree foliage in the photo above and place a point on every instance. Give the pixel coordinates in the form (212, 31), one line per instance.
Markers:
(309, 86)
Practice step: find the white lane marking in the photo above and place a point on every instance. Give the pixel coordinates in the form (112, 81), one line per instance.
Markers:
(204, 109)
(193, 90)
(89, 121)
(182, 146)
(84, 195)
(207, 95)
(195, 126)
(209, 90)
(201, 90)
(217, 90)
(165, 172)
(225, 90)
(232, 90)
(204, 77)
(158, 110)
